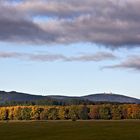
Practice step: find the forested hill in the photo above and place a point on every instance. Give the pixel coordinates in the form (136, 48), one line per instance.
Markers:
(17, 96)
(106, 97)
(14, 97)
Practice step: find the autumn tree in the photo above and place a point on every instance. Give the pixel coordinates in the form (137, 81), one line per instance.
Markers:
(4, 113)
(83, 112)
(136, 112)
(116, 112)
(73, 112)
(26, 113)
(61, 113)
(105, 112)
(17, 113)
(53, 113)
(11, 113)
(35, 113)
(44, 114)
(94, 112)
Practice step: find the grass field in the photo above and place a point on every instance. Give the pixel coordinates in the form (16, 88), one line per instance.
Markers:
(68, 130)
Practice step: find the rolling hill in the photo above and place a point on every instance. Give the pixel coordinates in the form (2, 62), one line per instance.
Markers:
(101, 97)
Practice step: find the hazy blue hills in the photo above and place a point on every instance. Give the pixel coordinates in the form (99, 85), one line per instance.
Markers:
(16, 96)
(101, 97)
(104, 97)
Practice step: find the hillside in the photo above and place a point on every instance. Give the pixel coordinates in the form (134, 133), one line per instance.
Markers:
(102, 97)
(16, 96)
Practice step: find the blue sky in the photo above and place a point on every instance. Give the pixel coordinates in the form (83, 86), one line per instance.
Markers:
(47, 49)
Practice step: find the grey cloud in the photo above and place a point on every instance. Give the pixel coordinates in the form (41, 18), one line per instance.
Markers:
(46, 57)
(70, 8)
(113, 23)
(31, 57)
(9, 55)
(132, 62)
(17, 27)
(100, 56)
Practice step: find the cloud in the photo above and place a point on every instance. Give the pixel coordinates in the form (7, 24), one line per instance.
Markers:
(46, 57)
(132, 62)
(112, 23)
(100, 56)
(9, 55)
(16, 26)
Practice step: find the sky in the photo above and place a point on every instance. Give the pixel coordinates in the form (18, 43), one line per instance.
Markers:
(70, 47)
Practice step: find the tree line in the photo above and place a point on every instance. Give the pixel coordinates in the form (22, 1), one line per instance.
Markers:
(49, 102)
(73, 112)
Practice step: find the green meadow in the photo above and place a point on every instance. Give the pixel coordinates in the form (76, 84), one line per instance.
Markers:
(68, 130)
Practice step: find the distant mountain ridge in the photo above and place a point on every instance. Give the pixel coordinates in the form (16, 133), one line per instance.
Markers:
(17, 96)
(106, 97)
(101, 97)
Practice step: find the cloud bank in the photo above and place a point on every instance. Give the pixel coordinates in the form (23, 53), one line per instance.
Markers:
(100, 56)
(112, 23)
(132, 62)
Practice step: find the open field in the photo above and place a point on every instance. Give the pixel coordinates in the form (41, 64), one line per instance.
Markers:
(68, 130)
